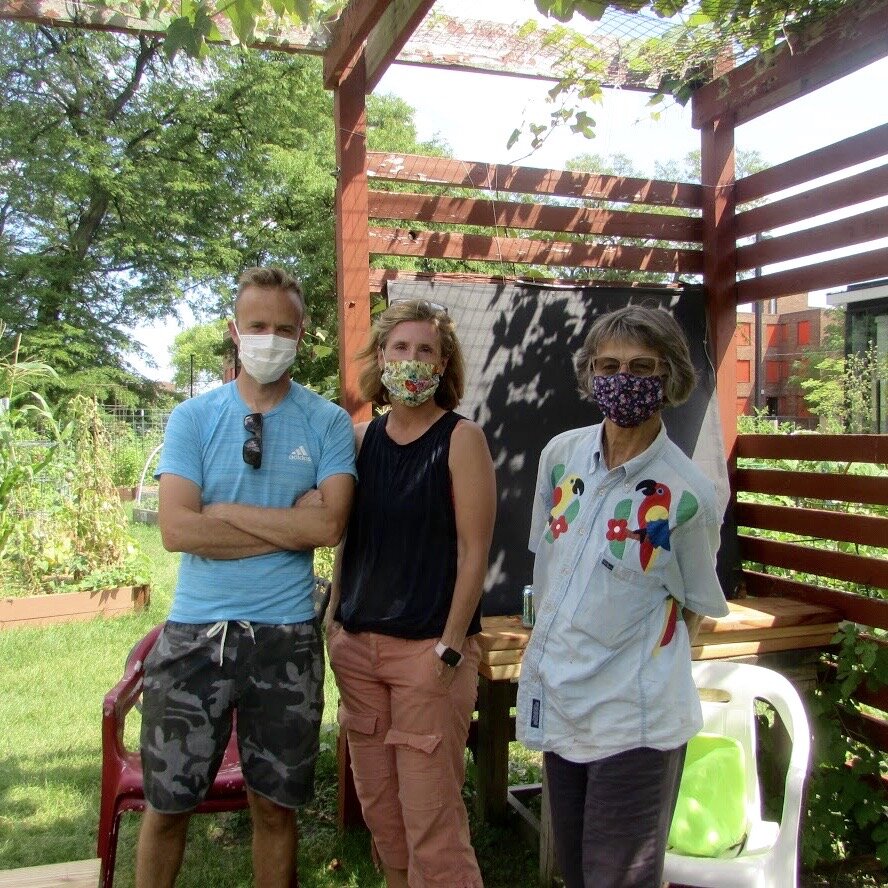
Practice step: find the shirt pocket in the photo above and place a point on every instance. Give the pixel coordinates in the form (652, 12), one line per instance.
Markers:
(617, 602)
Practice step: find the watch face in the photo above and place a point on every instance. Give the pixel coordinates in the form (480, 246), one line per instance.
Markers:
(451, 657)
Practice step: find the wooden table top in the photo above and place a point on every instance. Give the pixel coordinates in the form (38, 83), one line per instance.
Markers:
(753, 626)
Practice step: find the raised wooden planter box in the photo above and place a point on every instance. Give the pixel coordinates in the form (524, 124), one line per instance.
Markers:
(66, 607)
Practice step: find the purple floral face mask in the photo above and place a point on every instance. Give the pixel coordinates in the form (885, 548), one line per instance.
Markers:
(628, 400)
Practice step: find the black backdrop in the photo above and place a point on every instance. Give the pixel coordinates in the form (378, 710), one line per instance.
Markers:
(519, 342)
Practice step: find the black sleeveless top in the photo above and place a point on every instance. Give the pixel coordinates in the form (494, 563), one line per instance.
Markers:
(399, 561)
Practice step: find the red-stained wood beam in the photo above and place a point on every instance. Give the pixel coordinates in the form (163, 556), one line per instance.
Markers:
(823, 199)
(527, 180)
(532, 217)
(349, 33)
(825, 51)
(857, 608)
(819, 276)
(822, 162)
(720, 269)
(391, 34)
(877, 697)
(867, 728)
(352, 245)
(865, 530)
(853, 230)
(380, 276)
(482, 248)
(817, 562)
(831, 448)
(869, 489)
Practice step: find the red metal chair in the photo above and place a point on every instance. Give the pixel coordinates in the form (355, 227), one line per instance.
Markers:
(122, 788)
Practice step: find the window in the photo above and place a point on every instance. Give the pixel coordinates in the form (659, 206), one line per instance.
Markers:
(771, 406)
(781, 334)
(772, 335)
(775, 371)
(743, 371)
(744, 333)
(741, 406)
(803, 333)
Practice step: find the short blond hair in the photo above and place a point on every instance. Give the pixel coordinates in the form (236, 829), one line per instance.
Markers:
(653, 328)
(450, 390)
(271, 278)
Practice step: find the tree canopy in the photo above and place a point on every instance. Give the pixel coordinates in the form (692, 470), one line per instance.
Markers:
(130, 183)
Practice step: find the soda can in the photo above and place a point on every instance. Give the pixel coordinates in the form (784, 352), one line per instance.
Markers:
(527, 611)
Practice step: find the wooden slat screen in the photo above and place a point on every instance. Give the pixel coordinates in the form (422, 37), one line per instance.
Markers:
(858, 230)
(533, 218)
(808, 519)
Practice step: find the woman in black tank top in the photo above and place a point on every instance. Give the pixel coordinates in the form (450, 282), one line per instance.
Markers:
(406, 599)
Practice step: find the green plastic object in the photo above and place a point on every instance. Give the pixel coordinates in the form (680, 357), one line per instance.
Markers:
(710, 815)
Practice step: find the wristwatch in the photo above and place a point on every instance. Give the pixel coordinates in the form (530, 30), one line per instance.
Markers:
(448, 655)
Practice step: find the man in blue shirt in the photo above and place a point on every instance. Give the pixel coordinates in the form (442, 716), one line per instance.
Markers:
(253, 476)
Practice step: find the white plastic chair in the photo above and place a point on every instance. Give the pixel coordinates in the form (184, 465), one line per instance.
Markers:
(769, 857)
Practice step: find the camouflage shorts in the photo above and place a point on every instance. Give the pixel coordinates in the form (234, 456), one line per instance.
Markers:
(274, 678)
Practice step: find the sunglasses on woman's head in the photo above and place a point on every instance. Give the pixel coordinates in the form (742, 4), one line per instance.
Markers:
(252, 451)
(425, 303)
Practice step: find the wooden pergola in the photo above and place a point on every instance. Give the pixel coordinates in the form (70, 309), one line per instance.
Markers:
(373, 223)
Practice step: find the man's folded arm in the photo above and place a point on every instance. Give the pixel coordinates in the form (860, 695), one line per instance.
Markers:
(185, 526)
(317, 519)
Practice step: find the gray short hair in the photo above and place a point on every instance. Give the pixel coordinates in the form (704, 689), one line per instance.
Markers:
(653, 328)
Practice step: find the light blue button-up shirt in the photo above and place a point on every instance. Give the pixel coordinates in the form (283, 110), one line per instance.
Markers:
(618, 555)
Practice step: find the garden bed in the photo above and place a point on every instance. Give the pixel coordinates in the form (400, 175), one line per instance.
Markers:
(64, 607)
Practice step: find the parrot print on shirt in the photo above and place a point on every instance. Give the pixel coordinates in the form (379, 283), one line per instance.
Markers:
(652, 517)
(566, 493)
(653, 520)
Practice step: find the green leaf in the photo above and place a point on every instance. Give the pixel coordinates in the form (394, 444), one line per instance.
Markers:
(183, 35)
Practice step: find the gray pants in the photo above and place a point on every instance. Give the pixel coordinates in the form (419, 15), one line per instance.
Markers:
(610, 818)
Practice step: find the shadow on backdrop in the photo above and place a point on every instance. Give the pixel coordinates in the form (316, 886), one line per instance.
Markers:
(519, 342)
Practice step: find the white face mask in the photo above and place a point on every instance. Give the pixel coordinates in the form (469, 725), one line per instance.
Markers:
(266, 357)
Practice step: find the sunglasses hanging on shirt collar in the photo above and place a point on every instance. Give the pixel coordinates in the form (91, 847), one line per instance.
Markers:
(252, 451)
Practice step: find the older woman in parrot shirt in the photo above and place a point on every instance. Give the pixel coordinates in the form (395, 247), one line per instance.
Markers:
(625, 531)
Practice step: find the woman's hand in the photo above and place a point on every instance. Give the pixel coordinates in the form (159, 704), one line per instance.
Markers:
(446, 673)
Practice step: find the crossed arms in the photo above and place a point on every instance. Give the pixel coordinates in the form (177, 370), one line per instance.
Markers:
(226, 531)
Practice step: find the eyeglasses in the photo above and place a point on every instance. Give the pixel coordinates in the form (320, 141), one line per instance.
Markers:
(252, 451)
(640, 366)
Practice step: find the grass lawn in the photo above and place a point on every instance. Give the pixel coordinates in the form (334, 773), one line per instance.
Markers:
(52, 682)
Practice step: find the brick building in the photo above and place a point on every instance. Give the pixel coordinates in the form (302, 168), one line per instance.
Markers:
(866, 325)
(789, 330)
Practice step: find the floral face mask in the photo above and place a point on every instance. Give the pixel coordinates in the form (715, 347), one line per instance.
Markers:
(410, 382)
(628, 400)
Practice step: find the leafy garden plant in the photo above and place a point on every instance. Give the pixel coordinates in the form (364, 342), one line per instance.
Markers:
(65, 529)
(21, 409)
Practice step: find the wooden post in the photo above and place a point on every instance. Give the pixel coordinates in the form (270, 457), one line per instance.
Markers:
(547, 839)
(720, 267)
(492, 757)
(352, 237)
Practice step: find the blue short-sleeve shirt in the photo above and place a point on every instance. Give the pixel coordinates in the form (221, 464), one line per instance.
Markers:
(305, 439)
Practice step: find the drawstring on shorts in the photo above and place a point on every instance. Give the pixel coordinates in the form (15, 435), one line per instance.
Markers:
(222, 626)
